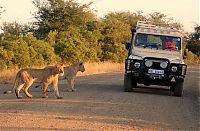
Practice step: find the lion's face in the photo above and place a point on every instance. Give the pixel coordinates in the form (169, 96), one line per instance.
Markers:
(60, 68)
(81, 67)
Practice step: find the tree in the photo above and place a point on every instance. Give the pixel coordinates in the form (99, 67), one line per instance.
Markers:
(129, 18)
(71, 28)
(14, 29)
(59, 15)
(41, 52)
(19, 50)
(26, 51)
(161, 19)
(71, 46)
(116, 31)
(194, 41)
(5, 58)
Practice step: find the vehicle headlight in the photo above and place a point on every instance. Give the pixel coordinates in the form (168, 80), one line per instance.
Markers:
(174, 68)
(148, 63)
(137, 64)
(183, 70)
(128, 64)
(163, 64)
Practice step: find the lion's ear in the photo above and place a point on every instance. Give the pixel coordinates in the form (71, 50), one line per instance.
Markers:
(59, 65)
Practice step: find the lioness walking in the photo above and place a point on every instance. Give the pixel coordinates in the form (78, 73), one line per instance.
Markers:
(70, 73)
(26, 77)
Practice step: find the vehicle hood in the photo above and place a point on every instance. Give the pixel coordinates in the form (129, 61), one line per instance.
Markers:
(172, 56)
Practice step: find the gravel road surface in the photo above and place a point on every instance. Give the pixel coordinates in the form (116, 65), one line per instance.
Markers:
(100, 104)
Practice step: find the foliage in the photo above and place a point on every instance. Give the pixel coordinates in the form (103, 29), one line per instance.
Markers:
(71, 46)
(26, 51)
(67, 31)
(59, 15)
(116, 31)
(194, 41)
(45, 53)
(162, 20)
(14, 29)
(5, 58)
(114, 53)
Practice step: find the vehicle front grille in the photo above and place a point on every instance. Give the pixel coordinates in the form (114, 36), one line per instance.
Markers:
(156, 63)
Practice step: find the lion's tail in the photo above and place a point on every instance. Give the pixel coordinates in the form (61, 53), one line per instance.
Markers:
(14, 85)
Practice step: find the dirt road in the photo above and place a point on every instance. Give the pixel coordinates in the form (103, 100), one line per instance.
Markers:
(101, 104)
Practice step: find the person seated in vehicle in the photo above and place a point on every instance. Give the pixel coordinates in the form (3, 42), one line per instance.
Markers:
(168, 44)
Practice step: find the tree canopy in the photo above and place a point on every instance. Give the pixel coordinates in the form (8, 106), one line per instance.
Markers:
(194, 41)
(67, 31)
(60, 15)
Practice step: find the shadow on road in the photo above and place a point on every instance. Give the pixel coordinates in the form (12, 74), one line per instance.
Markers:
(153, 90)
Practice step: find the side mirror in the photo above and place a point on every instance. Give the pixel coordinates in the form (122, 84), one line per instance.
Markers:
(128, 44)
(133, 29)
(185, 53)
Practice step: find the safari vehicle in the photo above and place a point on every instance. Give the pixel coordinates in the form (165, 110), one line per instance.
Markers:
(155, 57)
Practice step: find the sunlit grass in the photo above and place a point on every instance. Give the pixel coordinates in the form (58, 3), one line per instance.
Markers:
(102, 67)
(7, 76)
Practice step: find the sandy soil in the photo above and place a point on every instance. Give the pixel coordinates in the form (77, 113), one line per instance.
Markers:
(100, 104)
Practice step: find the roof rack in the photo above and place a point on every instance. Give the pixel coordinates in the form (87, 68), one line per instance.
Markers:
(148, 25)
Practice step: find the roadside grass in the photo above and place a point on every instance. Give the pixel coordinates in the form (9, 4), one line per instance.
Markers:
(192, 59)
(101, 67)
(8, 76)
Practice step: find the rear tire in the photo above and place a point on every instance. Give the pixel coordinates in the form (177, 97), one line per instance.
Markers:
(178, 89)
(127, 84)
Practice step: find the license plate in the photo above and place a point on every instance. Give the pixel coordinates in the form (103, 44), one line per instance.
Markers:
(154, 71)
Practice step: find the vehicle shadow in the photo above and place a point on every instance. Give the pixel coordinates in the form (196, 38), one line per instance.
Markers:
(154, 90)
(118, 88)
(96, 88)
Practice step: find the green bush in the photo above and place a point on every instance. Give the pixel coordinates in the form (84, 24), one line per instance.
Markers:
(26, 52)
(5, 58)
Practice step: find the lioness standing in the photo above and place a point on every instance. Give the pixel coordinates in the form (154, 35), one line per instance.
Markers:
(70, 74)
(26, 77)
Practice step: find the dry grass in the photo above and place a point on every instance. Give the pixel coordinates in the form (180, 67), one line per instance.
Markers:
(192, 59)
(102, 67)
(7, 76)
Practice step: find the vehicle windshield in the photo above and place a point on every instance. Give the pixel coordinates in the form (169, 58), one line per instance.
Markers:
(158, 41)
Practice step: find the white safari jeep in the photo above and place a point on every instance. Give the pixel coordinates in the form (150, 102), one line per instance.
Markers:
(155, 57)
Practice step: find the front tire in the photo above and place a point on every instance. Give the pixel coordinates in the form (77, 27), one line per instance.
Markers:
(178, 89)
(128, 84)
(134, 82)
